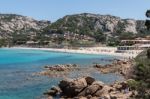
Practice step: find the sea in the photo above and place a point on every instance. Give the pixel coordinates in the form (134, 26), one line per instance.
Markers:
(17, 67)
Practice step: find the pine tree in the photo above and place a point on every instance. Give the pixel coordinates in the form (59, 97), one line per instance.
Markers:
(147, 23)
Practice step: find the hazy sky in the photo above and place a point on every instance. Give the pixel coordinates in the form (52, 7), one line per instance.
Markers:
(54, 9)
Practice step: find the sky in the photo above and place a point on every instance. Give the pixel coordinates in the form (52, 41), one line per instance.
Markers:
(55, 9)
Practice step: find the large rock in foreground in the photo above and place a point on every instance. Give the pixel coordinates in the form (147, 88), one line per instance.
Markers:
(72, 88)
(88, 88)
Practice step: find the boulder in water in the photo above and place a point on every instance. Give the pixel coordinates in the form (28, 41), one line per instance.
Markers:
(53, 91)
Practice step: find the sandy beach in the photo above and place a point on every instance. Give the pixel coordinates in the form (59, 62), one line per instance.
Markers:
(90, 50)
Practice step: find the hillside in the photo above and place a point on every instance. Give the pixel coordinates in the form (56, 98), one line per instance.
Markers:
(87, 23)
(72, 30)
(12, 23)
(105, 29)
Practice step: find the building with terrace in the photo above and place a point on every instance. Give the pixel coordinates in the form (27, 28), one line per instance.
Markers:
(133, 47)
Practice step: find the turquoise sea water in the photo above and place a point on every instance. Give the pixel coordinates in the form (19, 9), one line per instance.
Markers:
(17, 67)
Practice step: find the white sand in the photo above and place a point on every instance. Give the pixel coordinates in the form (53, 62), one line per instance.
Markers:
(90, 50)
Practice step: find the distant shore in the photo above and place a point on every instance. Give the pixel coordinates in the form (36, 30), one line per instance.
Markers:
(87, 50)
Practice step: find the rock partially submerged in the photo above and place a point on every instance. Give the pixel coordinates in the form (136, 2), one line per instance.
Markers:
(89, 88)
(58, 70)
(53, 91)
(67, 67)
(118, 66)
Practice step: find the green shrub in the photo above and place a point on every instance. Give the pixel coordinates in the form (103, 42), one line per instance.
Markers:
(148, 13)
(2, 42)
(148, 53)
(133, 84)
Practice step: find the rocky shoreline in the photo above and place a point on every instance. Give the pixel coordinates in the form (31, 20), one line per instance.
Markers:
(86, 87)
(125, 68)
(58, 70)
(89, 88)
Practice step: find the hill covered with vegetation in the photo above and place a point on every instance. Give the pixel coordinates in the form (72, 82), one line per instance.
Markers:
(105, 29)
(72, 30)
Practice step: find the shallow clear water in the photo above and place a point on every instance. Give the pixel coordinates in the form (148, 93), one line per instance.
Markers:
(17, 67)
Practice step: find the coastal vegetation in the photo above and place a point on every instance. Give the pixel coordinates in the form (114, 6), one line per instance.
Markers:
(2, 42)
(141, 74)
